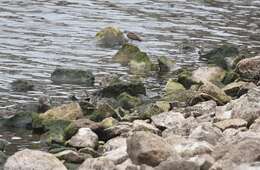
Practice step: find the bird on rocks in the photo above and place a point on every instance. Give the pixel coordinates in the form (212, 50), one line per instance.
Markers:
(133, 36)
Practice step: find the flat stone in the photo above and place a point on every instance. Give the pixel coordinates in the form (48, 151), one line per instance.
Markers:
(230, 123)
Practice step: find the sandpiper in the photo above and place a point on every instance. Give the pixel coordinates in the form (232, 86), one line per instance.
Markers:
(133, 36)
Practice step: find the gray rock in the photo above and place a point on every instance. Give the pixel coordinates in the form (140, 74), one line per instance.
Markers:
(85, 137)
(255, 127)
(70, 156)
(97, 164)
(249, 166)
(73, 76)
(118, 155)
(203, 161)
(140, 125)
(114, 144)
(127, 165)
(230, 123)
(32, 159)
(177, 165)
(147, 148)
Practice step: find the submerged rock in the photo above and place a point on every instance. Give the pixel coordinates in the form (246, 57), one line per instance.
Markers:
(165, 64)
(32, 159)
(20, 120)
(21, 85)
(110, 37)
(73, 76)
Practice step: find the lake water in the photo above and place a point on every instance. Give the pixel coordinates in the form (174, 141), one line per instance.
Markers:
(37, 36)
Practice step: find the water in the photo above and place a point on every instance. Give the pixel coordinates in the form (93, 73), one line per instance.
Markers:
(36, 36)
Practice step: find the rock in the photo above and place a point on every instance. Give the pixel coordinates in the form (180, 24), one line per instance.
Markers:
(181, 165)
(71, 111)
(255, 127)
(168, 119)
(141, 64)
(249, 166)
(73, 76)
(173, 86)
(217, 94)
(86, 123)
(110, 37)
(22, 85)
(117, 156)
(247, 107)
(121, 129)
(108, 122)
(20, 120)
(140, 125)
(231, 155)
(146, 111)
(127, 165)
(185, 78)
(97, 164)
(127, 101)
(132, 88)
(114, 144)
(230, 77)
(208, 74)
(70, 156)
(249, 68)
(165, 64)
(163, 105)
(32, 159)
(84, 138)
(232, 89)
(221, 56)
(147, 148)
(103, 110)
(203, 161)
(44, 102)
(127, 53)
(230, 123)
(206, 132)
(3, 158)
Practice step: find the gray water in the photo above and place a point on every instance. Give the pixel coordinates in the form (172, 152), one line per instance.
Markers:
(37, 36)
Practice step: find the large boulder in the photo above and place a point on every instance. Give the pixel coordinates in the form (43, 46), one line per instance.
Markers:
(249, 68)
(72, 76)
(110, 37)
(32, 159)
(147, 148)
(85, 137)
(97, 164)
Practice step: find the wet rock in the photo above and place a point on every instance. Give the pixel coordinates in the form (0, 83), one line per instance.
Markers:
(230, 77)
(165, 64)
(141, 64)
(103, 110)
(108, 122)
(22, 85)
(206, 132)
(127, 53)
(20, 120)
(127, 101)
(217, 94)
(97, 164)
(132, 88)
(32, 159)
(221, 56)
(71, 111)
(185, 78)
(110, 37)
(70, 156)
(147, 148)
(140, 125)
(146, 111)
(72, 76)
(247, 107)
(3, 144)
(44, 102)
(249, 68)
(3, 158)
(181, 165)
(84, 138)
(230, 123)
(167, 119)
(231, 155)
(172, 87)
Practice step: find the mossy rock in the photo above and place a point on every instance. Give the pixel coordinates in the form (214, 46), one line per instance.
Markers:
(185, 78)
(141, 64)
(173, 86)
(165, 64)
(21, 85)
(230, 77)
(148, 110)
(184, 96)
(73, 76)
(102, 111)
(126, 53)
(110, 37)
(127, 101)
(108, 122)
(221, 56)
(132, 88)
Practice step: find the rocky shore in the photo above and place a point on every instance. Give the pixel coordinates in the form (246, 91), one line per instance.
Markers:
(205, 118)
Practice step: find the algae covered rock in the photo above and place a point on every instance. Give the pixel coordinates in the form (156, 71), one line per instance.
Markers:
(20, 120)
(73, 76)
(110, 37)
(21, 85)
(172, 86)
(221, 56)
(165, 64)
(127, 101)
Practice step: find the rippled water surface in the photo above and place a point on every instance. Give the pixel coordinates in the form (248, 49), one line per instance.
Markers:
(36, 36)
